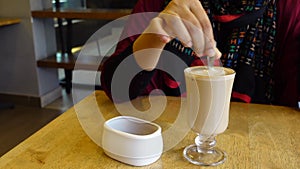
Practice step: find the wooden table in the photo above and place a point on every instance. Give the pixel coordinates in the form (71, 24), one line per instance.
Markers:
(258, 136)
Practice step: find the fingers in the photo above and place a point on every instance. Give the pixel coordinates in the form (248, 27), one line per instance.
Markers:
(198, 39)
(156, 27)
(188, 21)
(193, 27)
(176, 28)
(218, 54)
(204, 21)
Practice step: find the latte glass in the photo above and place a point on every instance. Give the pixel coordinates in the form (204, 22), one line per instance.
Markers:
(208, 100)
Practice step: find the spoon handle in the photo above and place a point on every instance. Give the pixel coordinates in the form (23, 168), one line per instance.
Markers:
(210, 61)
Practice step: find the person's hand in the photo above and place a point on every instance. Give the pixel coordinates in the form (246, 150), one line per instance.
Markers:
(187, 21)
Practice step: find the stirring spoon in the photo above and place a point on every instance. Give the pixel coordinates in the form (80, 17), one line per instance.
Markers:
(210, 62)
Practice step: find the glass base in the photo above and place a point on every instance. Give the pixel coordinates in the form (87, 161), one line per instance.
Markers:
(209, 157)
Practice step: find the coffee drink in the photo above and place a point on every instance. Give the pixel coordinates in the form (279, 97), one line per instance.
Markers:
(208, 98)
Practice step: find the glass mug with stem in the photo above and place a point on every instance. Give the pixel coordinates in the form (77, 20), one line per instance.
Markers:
(208, 100)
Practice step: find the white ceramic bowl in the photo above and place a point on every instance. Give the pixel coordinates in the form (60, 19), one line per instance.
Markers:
(132, 141)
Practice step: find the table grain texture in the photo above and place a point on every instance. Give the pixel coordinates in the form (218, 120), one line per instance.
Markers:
(258, 137)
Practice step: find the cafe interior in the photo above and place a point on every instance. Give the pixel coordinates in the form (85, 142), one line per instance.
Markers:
(54, 114)
(33, 95)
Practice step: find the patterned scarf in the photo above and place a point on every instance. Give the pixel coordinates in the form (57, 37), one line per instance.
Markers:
(252, 44)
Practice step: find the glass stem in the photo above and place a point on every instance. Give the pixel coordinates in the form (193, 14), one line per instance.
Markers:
(205, 143)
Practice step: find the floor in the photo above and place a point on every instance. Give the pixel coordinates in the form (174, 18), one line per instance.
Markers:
(22, 121)
(19, 123)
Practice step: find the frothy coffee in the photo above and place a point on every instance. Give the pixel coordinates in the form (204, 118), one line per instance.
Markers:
(208, 98)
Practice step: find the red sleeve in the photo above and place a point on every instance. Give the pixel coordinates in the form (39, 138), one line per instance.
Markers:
(141, 15)
(287, 70)
(138, 21)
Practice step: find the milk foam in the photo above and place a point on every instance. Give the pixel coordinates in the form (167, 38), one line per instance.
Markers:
(214, 71)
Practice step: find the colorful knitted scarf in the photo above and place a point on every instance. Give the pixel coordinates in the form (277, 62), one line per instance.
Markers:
(247, 44)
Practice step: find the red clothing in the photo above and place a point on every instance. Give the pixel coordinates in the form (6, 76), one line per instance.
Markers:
(288, 53)
(144, 82)
(137, 24)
